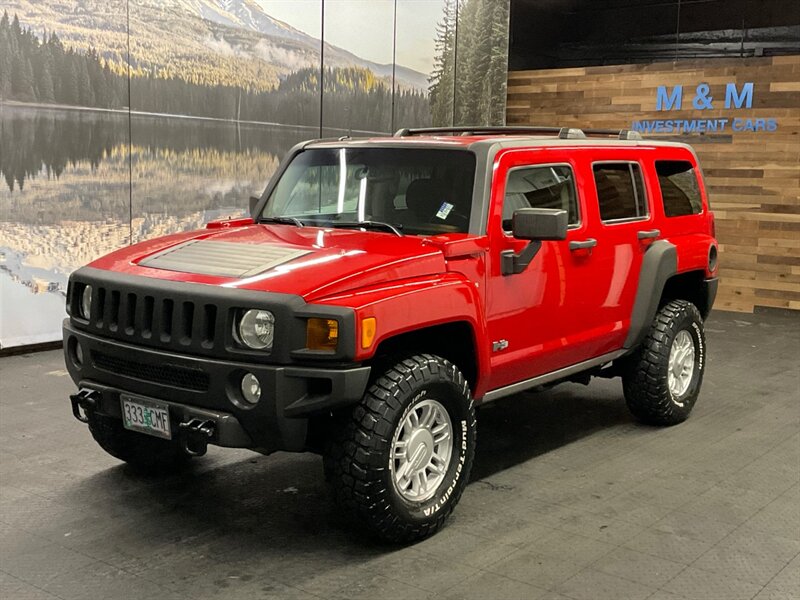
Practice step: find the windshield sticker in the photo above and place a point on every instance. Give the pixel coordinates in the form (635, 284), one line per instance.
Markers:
(444, 210)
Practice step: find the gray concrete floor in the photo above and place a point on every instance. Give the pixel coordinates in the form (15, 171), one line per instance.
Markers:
(569, 499)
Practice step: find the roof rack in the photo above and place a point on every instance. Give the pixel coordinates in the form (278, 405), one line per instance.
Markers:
(622, 134)
(561, 132)
(564, 133)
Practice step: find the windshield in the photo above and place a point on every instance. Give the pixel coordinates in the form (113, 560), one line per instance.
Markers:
(415, 190)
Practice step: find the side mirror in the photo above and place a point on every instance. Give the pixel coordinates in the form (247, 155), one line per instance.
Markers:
(536, 225)
(254, 200)
(539, 224)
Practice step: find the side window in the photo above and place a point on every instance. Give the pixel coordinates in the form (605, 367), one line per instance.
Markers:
(540, 187)
(620, 191)
(680, 191)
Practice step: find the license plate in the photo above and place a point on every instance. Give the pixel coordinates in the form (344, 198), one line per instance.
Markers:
(146, 416)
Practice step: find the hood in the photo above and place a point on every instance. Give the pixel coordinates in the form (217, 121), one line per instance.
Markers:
(311, 262)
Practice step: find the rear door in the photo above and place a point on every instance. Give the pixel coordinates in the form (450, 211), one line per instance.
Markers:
(622, 197)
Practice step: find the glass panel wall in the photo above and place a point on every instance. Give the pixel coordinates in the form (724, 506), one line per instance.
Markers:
(142, 117)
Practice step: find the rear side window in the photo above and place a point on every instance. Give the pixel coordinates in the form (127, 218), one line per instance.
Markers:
(620, 191)
(540, 187)
(679, 188)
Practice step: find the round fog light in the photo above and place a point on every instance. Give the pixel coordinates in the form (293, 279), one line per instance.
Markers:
(78, 355)
(251, 388)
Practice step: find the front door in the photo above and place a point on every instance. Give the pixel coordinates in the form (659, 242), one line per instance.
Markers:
(573, 301)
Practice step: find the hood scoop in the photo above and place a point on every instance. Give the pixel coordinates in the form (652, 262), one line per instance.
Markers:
(224, 259)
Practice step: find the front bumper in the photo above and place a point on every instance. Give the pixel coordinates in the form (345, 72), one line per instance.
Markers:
(209, 388)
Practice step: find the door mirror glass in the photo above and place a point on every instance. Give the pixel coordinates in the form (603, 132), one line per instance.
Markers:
(539, 224)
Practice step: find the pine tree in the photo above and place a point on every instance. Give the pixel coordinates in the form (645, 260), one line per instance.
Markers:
(443, 76)
(70, 94)
(466, 50)
(22, 80)
(16, 30)
(85, 91)
(480, 75)
(5, 57)
(498, 63)
(44, 80)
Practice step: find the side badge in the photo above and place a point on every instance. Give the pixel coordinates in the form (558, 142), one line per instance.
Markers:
(499, 345)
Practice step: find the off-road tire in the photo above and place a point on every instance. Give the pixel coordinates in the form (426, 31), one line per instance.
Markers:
(145, 454)
(645, 377)
(357, 457)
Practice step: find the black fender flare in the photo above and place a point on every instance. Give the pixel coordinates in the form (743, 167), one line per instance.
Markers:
(659, 264)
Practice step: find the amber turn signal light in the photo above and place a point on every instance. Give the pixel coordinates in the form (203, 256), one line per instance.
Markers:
(322, 334)
(368, 328)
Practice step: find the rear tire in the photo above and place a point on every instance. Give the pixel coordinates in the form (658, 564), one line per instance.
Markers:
(662, 378)
(145, 454)
(400, 460)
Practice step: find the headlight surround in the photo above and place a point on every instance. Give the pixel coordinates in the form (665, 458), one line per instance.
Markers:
(85, 307)
(256, 329)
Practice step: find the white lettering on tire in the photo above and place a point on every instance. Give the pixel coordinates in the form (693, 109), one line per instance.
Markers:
(700, 348)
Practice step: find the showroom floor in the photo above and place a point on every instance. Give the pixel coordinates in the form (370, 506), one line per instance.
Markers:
(569, 499)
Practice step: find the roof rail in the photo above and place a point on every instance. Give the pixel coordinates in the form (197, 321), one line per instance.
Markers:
(622, 134)
(564, 133)
(561, 132)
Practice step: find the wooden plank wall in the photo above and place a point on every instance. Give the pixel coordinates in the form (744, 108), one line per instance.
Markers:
(753, 179)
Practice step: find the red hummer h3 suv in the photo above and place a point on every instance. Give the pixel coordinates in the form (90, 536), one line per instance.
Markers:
(385, 287)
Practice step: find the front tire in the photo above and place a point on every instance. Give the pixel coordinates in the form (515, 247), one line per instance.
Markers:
(663, 377)
(145, 454)
(400, 461)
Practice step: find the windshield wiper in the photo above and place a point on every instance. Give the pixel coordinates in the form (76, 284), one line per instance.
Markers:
(282, 220)
(377, 225)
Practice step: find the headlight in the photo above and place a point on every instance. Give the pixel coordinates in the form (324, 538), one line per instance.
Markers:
(257, 329)
(86, 302)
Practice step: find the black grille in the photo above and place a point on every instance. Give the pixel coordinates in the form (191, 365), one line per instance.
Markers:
(166, 374)
(143, 317)
(196, 319)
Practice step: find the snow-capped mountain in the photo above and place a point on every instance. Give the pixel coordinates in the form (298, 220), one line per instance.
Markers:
(245, 14)
(248, 15)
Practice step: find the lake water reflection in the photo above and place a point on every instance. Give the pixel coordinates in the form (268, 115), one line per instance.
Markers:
(74, 186)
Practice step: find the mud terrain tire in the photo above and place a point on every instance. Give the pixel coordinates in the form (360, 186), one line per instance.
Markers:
(374, 447)
(662, 378)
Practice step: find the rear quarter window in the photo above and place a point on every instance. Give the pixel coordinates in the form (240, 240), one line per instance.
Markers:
(680, 190)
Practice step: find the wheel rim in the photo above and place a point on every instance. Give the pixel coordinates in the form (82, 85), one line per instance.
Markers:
(422, 448)
(681, 364)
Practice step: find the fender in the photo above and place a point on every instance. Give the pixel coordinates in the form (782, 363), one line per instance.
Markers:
(659, 264)
(402, 307)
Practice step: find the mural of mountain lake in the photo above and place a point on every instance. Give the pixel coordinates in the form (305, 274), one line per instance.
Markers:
(69, 193)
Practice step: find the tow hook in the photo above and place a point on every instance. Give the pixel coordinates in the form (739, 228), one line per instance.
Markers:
(84, 402)
(197, 433)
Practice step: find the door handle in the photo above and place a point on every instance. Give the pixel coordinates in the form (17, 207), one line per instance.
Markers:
(648, 234)
(583, 245)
